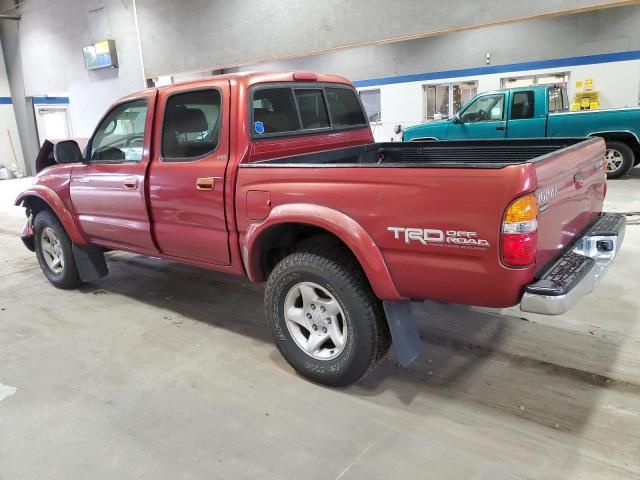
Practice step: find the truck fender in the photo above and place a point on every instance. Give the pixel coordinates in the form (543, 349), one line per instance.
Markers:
(58, 207)
(616, 135)
(342, 226)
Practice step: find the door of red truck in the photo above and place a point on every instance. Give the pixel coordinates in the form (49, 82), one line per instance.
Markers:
(108, 189)
(187, 172)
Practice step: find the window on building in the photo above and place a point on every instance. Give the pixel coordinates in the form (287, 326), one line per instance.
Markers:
(191, 125)
(371, 102)
(560, 79)
(445, 100)
(522, 105)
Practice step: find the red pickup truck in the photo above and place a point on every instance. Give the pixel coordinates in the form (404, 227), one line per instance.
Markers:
(276, 176)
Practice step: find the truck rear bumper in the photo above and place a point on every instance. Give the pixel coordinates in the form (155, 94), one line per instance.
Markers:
(578, 271)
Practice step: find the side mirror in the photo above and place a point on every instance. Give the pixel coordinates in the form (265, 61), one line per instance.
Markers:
(456, 119)
(67, 151)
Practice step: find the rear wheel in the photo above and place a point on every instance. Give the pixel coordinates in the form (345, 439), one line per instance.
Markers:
(326, 321)
(619, 159)
(54, 251)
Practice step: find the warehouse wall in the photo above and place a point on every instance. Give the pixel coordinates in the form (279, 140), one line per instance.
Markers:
(199, 34)
(585, 34)
(606, 31)
(10, 147)
(51, 36)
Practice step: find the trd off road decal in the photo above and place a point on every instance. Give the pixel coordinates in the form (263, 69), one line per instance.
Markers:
(443, 238)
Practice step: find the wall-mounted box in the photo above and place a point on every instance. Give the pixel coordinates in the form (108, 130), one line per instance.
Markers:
(100, 55)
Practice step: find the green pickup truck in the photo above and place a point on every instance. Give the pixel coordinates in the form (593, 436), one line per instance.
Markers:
(539, 111)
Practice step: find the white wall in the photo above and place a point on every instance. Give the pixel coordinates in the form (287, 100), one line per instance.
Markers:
(52, 35)
(618, 84)
(8, 126)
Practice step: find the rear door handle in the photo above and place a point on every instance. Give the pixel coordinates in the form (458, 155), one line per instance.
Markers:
(205, 183)
(130, 183)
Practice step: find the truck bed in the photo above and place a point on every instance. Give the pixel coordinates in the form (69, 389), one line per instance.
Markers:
(447, 154)
(455, 186)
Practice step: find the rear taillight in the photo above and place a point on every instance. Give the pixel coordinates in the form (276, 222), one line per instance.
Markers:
(519, 232)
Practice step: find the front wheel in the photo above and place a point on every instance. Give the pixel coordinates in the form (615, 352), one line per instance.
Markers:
(619, 159)
(54, 251)
(326, 321)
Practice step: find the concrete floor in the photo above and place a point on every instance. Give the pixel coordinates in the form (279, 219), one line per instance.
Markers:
(162, 371)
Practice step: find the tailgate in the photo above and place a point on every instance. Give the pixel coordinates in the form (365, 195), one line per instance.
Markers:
(570, 193)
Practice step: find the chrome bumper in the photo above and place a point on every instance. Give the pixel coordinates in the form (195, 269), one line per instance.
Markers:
(578, 271)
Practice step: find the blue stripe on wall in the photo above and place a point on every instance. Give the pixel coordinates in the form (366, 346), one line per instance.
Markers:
(5, 101)
(50, 100)
(513, 67)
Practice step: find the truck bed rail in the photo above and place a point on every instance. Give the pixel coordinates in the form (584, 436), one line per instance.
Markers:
(447, 154)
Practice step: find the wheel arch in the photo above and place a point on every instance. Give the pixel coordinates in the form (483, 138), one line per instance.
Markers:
(626, 136)
(289, 225)
(39, 197)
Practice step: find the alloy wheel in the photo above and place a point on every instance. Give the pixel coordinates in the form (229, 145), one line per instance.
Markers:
(52, 250)
(315, 321)
(614, 160)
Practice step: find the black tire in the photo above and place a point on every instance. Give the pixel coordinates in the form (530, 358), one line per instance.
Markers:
(628, 158)
(368, 337)
(68, 278)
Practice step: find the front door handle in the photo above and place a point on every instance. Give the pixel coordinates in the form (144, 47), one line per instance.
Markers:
(130, 183)
(205, 183)
(500, 127)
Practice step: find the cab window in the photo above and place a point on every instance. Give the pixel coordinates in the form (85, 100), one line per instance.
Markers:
(313, 111)
(522, 105)
(274, 111)
(300, 109)
(120, 136)
(191, 125)
(558, 100)
(484, 109)
(345, 107)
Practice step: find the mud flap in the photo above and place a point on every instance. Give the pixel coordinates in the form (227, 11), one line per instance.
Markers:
(90, 262)
(404, 331)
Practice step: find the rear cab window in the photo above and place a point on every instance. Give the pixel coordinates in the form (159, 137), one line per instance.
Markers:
(558, 100)
(299, 109)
